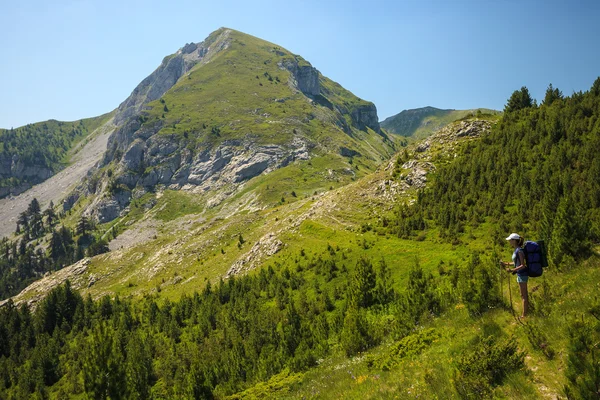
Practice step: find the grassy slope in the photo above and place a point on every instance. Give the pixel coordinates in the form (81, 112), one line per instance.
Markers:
(233, 97)
(242, 94)
(428, 124)
(194, 244)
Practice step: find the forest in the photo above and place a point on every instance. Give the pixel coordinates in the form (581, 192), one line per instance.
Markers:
(27, 257)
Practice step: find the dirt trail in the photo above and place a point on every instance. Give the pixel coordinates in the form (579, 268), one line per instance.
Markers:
(58, 186)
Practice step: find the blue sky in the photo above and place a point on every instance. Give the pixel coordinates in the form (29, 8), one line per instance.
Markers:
(70, 59)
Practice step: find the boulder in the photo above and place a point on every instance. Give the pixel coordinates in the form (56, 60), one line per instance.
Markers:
(107, 210)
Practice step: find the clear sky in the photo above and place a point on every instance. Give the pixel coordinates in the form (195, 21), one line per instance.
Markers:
(70, 59)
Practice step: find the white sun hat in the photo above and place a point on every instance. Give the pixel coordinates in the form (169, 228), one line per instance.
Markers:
(513, 236)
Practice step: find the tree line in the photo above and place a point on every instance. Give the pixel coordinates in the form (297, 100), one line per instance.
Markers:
(44, 246)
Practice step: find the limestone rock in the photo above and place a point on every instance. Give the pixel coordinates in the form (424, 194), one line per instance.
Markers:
(134, 156)
(253, 166)
(303, 76)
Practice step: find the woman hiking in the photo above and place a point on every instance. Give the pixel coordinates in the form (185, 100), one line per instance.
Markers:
(520, 268)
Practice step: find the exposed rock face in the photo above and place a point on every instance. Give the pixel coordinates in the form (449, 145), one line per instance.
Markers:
(268, 245)
(417, 175)
(38, 290)
(161, 159)
(366, 116)
(14, 167)
(303, 76)
(168, 73)
(346, 152)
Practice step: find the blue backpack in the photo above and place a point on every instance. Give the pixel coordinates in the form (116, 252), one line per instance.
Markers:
(535, 256)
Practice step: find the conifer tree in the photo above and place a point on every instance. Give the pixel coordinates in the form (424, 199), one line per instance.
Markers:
(385, 290)
(138, 368)
(519, 100)
(353, 338)
(83, 226)
(362, 285)
(103, 375)
(552, 94)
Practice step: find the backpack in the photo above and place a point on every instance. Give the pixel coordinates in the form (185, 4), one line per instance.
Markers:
(535, 255)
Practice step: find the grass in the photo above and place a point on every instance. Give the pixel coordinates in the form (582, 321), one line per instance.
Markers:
(195, 245)
(418, 127)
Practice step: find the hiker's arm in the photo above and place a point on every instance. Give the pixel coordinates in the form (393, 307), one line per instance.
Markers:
(522, 264)
(506, 265)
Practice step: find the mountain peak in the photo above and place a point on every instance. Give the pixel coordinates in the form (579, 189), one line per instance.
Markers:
(220, 112)
(171, 69)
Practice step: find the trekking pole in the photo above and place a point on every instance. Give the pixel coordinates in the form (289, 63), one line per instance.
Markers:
(500, 276)
(510, 298)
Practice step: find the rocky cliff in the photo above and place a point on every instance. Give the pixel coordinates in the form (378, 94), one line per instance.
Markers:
(12, 166)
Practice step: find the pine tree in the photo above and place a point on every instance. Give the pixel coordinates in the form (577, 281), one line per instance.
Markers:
(353, 338)
(33, 207)
(138, 368)
(519, 100)
(103, 374)
(83, 226)
(385, 290)
(552, 94)
(583, 363)
(50, 215)
(362, 285)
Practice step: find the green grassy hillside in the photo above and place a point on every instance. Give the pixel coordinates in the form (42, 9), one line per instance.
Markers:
(419, 123)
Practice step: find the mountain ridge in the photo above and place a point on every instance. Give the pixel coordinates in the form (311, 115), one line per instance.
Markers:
(418, 123)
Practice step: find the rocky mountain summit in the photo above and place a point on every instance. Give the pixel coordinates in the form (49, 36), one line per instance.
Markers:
(170, 70)
(218, 113)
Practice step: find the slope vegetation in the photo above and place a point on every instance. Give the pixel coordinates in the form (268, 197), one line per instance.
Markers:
(245, 108)
(419, 123)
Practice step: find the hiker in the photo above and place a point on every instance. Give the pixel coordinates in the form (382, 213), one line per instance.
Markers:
(520, 268)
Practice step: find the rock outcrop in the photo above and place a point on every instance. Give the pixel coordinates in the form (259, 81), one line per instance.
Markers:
(168, 73)
(365, 116)
(303, 76)
(11, 166)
